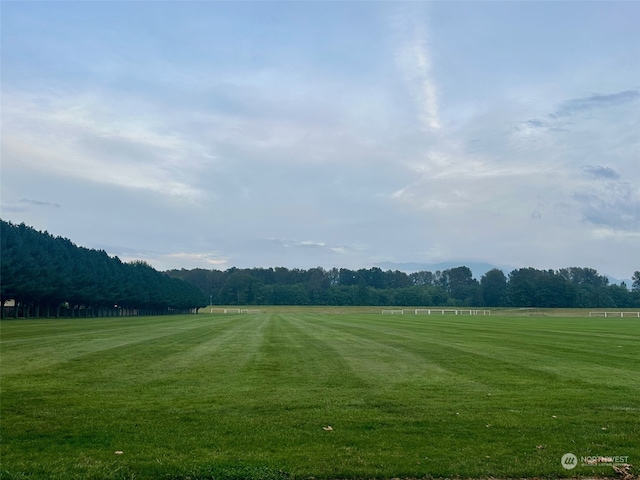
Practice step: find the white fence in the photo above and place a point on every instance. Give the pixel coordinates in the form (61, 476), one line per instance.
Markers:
(235, 310)
(436, 311)
(614, 314)
(225, 310)
(441, 311)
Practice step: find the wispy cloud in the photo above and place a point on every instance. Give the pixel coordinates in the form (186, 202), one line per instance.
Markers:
(578, 105)
(182, 258)
(615, 204)
(39, 203)
(306, 244)
(600, 172)
(339, 134)
(24, 205)
(414, 59)
(320, 247)
(559, 118)
(98, 139)
(170, 260)
(607, 233)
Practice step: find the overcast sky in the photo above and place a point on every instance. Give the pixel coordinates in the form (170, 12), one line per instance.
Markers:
(347, 134)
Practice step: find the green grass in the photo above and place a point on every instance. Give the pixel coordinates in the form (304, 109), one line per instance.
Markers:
(246, 396)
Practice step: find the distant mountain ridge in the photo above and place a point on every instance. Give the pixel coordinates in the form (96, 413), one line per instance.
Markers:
(628, 282)
(478, 269)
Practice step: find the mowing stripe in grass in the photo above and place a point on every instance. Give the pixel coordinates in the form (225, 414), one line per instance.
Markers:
(184, 397)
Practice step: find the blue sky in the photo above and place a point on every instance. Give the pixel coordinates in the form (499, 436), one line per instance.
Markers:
(302, 134)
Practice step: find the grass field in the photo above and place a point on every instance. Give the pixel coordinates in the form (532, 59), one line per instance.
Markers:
(247, 396)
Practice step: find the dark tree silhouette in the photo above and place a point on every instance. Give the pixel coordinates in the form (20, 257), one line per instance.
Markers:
(50, 276)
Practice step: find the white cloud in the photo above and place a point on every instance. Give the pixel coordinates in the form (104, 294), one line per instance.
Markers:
(211, 260)
(611, 233)
(414, 61)
(347, 149)
(177, 260)
(95, 139)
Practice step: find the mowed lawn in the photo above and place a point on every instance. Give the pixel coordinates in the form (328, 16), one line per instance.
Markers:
(247, 396)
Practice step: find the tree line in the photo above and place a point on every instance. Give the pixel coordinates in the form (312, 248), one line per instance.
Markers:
(50, 276)
(572, 287)
(43, 275)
